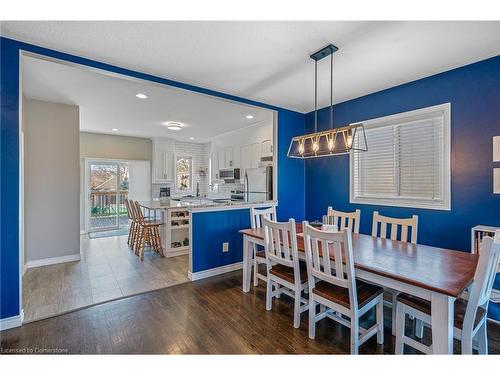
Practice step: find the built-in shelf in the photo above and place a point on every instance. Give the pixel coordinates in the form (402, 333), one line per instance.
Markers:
(180, 248)
(180, 226)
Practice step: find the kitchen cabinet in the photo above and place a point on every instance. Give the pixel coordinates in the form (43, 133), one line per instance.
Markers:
(163, 160)
(228, 157)
(266, 148)
(221, 157)
(214, 168)
(255, 149)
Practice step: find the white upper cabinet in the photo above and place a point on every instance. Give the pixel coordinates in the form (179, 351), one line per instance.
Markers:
(163, 160)
(241, 148)
(255, 154)
(266, 148)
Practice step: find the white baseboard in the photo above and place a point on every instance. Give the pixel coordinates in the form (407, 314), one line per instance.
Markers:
(193, 276)
(173, 253)
(12, 322)
(54, 260)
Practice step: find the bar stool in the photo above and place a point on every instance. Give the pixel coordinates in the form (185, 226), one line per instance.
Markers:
(148, 233)
(132, 225)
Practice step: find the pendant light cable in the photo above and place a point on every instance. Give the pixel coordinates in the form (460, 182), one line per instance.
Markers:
(315, 96)
(331, 91)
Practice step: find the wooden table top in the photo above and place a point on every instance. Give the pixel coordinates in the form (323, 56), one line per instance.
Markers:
(440, 270)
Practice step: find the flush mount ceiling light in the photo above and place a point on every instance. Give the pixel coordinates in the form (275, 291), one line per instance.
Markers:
(191, 138)
(249, 117)
(114, 130)
(141, 96)
(334, 141)
(174, 126)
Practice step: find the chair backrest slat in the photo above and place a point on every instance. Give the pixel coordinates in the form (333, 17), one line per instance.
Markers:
(349, 220)
(256, 215)
(395, 223)
(484, 277)
(327, 252)
(280, 241)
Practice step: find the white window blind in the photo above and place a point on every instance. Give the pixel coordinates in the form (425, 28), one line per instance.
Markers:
(407, 162)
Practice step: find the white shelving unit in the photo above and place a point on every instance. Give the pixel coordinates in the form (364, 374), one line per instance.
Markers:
(177, 232)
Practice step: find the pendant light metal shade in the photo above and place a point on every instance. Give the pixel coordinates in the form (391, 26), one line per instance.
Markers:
(334, 141)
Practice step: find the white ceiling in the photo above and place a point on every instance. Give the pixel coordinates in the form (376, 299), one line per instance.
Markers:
(268, 61)
(108, 102)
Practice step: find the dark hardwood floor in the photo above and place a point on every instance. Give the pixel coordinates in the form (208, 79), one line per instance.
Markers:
(211, 316)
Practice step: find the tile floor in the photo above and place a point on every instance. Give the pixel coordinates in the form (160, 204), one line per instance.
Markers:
(108, 270)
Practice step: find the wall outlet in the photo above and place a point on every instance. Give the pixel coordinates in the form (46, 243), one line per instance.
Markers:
(225, 247)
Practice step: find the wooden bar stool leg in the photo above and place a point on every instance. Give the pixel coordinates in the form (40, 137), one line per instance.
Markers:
(160, 247)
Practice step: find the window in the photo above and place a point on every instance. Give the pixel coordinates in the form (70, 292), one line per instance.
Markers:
(407, 163)
(183, 173)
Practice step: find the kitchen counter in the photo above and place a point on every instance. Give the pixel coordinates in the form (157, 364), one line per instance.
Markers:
(197, 204)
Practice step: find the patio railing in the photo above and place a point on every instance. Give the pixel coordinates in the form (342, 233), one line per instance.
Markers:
(107, 203)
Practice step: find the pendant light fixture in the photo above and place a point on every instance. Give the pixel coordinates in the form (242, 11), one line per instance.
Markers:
(334, 141)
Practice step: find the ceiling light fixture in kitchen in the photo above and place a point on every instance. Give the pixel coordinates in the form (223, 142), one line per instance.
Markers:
(141, 96)
(249, 117)
(334, 141)
(114, 130)
(174, 126)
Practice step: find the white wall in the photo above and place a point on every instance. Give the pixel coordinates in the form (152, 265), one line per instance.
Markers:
(51, 180)
(248, 135)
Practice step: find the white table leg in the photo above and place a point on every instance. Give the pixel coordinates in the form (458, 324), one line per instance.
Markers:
(442, 323)
(247, 264)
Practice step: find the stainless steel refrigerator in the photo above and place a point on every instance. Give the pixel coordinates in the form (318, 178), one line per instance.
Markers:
(259, 184)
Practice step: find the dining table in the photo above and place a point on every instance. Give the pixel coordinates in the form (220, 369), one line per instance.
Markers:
(435, 274)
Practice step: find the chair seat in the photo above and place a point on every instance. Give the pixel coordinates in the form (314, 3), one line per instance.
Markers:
(366, 293)
(261, 254)
(425, 307)
(286, 273)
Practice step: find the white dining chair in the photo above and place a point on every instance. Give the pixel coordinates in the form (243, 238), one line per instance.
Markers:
(259, 257)
(285, 271)
(470, 315)
(333, 284)
(349, 220)
(399, 229)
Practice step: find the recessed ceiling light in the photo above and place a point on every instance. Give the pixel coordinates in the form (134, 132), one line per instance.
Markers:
(249, 117)
(114, 130)
(174, 126)
(141, 96)
(191, 138)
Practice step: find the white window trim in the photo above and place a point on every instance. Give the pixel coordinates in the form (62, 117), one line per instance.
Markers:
(191, 178)
(444, 204)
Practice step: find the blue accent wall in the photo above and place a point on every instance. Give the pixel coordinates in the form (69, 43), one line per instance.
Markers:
(474, 94)
(210, 231)
(291, 193)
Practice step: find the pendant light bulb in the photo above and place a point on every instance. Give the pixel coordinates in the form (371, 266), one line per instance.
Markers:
(301, 148)
(331, 144)
(315, 145)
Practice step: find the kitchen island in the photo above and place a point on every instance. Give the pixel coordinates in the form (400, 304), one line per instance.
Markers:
(205, 229)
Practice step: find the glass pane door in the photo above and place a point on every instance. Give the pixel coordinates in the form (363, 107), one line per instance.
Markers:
(108, 189)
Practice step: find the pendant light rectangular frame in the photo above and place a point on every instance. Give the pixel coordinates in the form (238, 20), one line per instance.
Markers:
(331, 142)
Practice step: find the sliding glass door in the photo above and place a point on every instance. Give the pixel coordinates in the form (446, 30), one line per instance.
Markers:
(108, 188)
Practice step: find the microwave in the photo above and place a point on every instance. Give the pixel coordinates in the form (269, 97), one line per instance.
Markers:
(229, 174)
